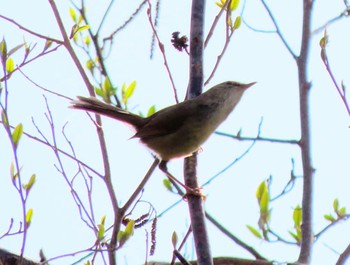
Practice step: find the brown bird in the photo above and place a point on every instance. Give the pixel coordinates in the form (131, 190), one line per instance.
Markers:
(178, 130)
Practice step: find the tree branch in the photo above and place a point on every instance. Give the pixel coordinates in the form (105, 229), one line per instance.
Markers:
(308, 171)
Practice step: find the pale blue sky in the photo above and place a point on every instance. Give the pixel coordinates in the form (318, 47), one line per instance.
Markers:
(252, 56)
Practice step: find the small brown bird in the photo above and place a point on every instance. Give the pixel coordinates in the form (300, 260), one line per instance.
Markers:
(178, 130)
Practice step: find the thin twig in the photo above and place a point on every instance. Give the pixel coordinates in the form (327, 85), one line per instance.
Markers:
(162, 50)
(344, 256)
(239, 242)
(259, 139)
(214, 24)
(341, 92)
(141, 186)
(30, 31)
(278, 30)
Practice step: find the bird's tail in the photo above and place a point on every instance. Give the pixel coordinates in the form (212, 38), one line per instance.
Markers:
(99, 107)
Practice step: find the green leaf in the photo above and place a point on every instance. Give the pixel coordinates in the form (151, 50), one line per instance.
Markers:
(81, 28)
(30, 183)
(72, 14)
(297, 216)
(264, 202)
(129, 229)
(103, 219)
(151, 110)
(48, 44)
(237, 23)
(254, 231)
(295, 236)
(234, 4)
(3, 50)
(167, 184)
(87, 41)
(174, 239)
(342, 211)
(336, 205)
(107, 86)
(261, 190)
(17, 133)
(4, 118)
(329, 217)
(324, 41)
(101, 232)
(220, 4)
(128, 92)
(90, 65)
(99, 92)
(29, 216)
(10, 65)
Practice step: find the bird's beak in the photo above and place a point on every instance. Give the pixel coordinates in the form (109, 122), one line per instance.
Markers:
(248, 85)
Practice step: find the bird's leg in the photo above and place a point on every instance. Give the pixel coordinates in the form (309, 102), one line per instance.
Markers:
(194, 191)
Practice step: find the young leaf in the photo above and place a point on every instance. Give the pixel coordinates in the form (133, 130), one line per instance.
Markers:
(128, 92)
(234, 5)
(297, 239)
(72, 14)
(103, 219)
(297, 216)
(101, 232)
(254, 231)
(174, 239)
(129, 229)
(82, 28)
(264, 202)
(10, 65)
(90, 65)
(17, 133)
(151, 110)
(3, 50)
(261, 190)
(336, 205)
(87, 41)
(4, 118)
(329, 217)
(30, 183)
(237, 23)
(48, 43)
(107, 86)
(167, 184)
(29, 216)
(342, 211)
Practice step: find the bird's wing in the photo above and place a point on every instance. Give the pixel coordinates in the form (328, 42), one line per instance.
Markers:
(167, 121)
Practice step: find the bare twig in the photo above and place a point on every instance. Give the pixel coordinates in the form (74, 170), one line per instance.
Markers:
(215, 22)
(132, 16)
(141, 186)
(338, 220)
(344, 256)
(239, 242)
(259, 138)
(30, 31)
(341, 91)
(278, 30)
(228, 35)
(162, 50)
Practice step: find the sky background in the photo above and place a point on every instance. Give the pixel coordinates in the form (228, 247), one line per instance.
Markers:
(253, 55)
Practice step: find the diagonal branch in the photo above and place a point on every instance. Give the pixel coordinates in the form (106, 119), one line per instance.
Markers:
(278, 30)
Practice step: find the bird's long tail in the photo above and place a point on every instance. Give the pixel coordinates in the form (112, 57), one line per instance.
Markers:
(99, 107)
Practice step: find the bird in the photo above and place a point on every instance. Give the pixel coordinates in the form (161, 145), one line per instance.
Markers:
(178, 130)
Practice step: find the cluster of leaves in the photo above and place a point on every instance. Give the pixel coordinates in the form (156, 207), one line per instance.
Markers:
(231, 6)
